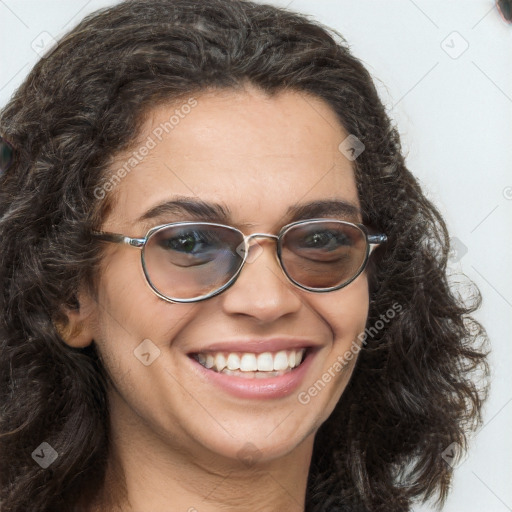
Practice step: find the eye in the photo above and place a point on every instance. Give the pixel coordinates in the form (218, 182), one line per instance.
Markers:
(324, 243)
(325, 240)
(190, 242)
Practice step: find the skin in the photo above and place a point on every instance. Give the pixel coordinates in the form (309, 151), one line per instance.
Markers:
(175, 438)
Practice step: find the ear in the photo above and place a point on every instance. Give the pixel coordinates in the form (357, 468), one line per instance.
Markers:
(78, 332)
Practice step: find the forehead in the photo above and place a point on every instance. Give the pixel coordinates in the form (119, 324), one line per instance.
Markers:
(254, 154)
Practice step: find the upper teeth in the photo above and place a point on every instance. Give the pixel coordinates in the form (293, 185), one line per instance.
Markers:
(249, 362)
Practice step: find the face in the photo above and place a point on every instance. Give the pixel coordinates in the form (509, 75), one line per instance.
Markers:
(261, 159)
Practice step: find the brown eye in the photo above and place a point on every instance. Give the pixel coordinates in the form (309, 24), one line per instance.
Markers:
(325, 240)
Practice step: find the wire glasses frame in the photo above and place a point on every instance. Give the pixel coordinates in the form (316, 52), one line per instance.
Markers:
(505, 9)
(242, 249)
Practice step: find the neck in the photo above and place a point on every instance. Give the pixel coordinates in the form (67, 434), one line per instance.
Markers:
(147, 474)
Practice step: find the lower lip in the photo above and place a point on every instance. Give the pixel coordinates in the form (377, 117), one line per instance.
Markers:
(273, 387)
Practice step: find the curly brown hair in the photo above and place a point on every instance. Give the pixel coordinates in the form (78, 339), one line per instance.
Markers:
(414, 390)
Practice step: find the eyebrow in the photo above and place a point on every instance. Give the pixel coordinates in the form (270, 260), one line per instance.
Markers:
(215, 212)
(212, 212)
(323, 208)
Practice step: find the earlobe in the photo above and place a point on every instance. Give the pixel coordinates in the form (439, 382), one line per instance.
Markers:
(78, 331)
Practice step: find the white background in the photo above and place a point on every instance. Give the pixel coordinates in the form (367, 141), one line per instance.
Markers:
(453, 108)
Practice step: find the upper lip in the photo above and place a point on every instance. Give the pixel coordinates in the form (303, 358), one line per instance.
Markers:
(257, 346)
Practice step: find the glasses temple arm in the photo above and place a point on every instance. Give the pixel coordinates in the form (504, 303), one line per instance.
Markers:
(119, 239)
(375, 240)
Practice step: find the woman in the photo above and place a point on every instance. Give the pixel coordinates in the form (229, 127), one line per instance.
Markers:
(222, 289)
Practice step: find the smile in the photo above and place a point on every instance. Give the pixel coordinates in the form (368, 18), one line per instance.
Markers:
(256, 369)
(251, 365)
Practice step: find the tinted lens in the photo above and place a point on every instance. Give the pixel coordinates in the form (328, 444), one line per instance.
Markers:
(505, 8)
(6, 153)
(323, 255)
(193, 260)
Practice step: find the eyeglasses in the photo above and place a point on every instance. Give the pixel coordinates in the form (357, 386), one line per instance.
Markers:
(193, 261)
(6, 154)
(505, 9)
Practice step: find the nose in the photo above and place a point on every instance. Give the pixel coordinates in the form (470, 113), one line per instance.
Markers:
(262, 291)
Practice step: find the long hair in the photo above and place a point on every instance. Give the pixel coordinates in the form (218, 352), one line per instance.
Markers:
(414, 391)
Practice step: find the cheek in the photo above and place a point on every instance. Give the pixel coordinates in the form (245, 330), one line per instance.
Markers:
(134, 332)
(345, 311)
(129, 312)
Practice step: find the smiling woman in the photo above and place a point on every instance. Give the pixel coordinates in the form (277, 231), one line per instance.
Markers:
(221, 287)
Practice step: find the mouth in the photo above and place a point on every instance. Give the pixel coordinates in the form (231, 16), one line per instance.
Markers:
(250, 365)
(255, 375)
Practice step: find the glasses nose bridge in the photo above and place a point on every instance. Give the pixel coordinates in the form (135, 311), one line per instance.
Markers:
(249, 255)
(248, 238)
